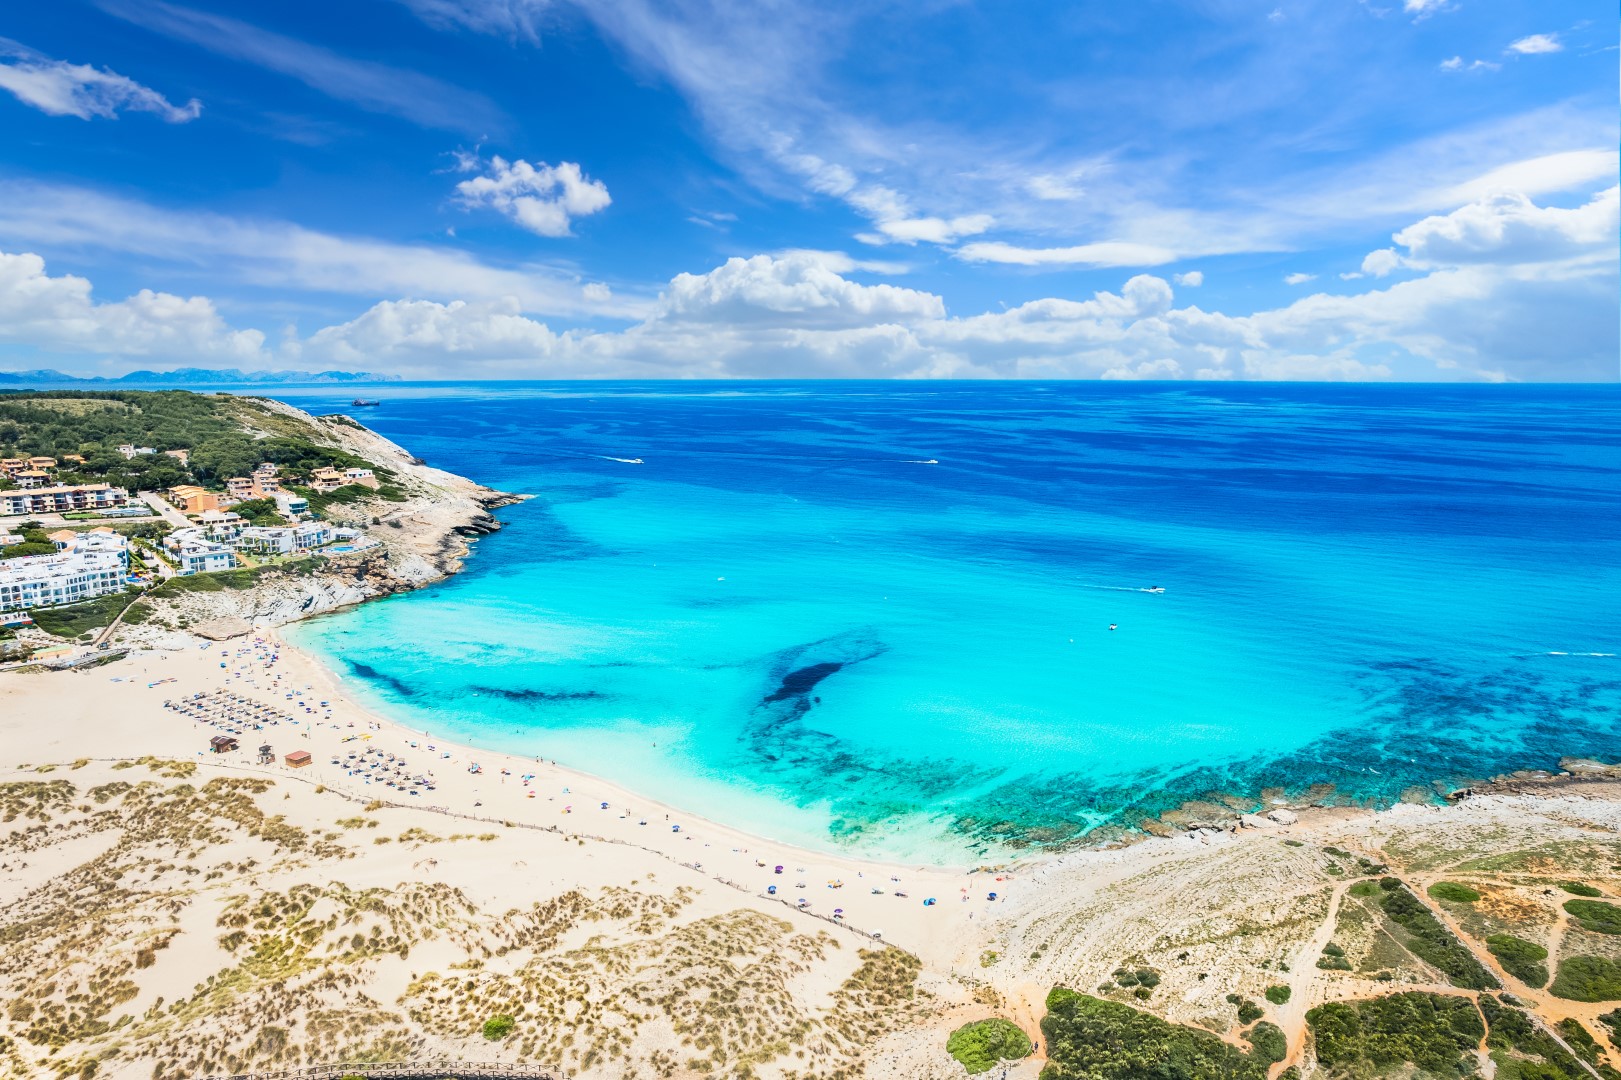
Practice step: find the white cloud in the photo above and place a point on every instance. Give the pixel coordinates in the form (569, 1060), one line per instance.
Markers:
(797, 288)
(1503, 289)
(1568, 171)
(1382, 263)
(1420, 9)
(1192, 279)
(1509, 228)
(58, 313)
(1537, 44)
(375, 87)
(58, 88)
(1298, 278)
(281, 254)
(544, 199)
(1106, 253)
(1456, 63)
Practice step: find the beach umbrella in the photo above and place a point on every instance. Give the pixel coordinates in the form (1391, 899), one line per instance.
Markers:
(991, 896)
(929, 902)
(778, 870)
(771, 889)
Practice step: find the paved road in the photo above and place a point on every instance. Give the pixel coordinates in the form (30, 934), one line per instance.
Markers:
(161, 505)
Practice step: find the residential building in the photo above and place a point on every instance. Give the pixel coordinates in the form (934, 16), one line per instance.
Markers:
(182, 456)
(193, 499)
(360, 476)
(31, 478)
(42, 463)
(241, 488)
(130, 450)
(197, 556)
(58, 500)
(285, 539)
(265, 476)
(73, 459)
(62, 538)
(93, 564)
(13, 465)
(291, 505)
(326, 479)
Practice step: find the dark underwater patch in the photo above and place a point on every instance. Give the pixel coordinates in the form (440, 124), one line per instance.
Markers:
(801, 681)
(539, 696)
(397, 686)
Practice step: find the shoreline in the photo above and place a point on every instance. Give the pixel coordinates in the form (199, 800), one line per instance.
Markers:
(569, 802)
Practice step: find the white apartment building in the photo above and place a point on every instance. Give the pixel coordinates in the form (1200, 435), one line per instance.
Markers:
(203, 557)
(57, 500)
(292, 505)
(91, 565)
(285, 539)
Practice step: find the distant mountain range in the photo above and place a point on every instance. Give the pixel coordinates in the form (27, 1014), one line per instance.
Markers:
(190, 377)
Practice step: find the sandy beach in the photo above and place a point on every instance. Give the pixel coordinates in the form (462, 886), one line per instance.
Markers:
(627, 936)
(118, 711)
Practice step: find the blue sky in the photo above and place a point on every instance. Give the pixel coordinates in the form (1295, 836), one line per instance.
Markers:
(1289, 189)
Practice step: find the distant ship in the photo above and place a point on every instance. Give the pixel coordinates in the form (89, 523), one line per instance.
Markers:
(362, 403)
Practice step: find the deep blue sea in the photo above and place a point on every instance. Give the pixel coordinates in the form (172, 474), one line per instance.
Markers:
(912, 619)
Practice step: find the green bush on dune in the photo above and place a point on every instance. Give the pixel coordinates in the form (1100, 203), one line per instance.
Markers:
(1088, 1038)
(1579, 889)
(1368, 1038)
(979, 1046)
(1588, 978)
(1520, 958)
(1453, 891)
(1430, 941)
(499, 1027)
(1595, 915)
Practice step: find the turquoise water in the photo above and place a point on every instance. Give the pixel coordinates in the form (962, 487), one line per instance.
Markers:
(878, 616)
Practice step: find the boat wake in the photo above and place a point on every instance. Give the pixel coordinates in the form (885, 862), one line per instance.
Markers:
(625, 460)
(915, 461)
(1124, 588)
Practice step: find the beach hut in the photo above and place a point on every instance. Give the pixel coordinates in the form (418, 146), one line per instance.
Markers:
(267, 756)
(298, 759)
(220, 744)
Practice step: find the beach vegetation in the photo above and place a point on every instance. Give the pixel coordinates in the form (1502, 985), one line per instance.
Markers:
(1453, 892)
(1587, 978)
(1520, 958)
(499, 1027)
(1523, 1049)
(1433, 1032)
(1578, 888)
(1430, 941)
(983, 1044)
(1334, 958)
(1579, 1039)
(1267, 1042)
(75, 620)
(1088, 1038)
(1595, 915)
(1278, 994)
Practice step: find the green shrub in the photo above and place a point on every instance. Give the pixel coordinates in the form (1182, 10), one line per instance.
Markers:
(1595, 915)
(1588, 978)
(1520, 958)
(1366, 1038)
(1430, 941)
(499, 1027)
(1091, 1039)
(1268, 1043)
(1451, 890)
(1579, 889)
(1248, 1011)
(1580, 1039)
(1277, 995)
(1511, 1029)
(981, 1045)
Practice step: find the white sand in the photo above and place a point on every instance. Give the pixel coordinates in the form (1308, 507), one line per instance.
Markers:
(114, 712)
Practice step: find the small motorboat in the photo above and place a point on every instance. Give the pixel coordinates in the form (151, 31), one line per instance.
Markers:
(362, 403)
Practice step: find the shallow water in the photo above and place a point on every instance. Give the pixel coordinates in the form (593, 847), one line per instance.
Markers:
(878, 615)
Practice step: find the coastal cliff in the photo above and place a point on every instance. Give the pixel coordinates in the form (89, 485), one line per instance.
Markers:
(418, 537)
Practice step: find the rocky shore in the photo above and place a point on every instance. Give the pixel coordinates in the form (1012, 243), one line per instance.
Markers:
(417, 541)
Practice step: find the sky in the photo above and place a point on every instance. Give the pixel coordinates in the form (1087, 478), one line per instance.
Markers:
(1208, 189)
